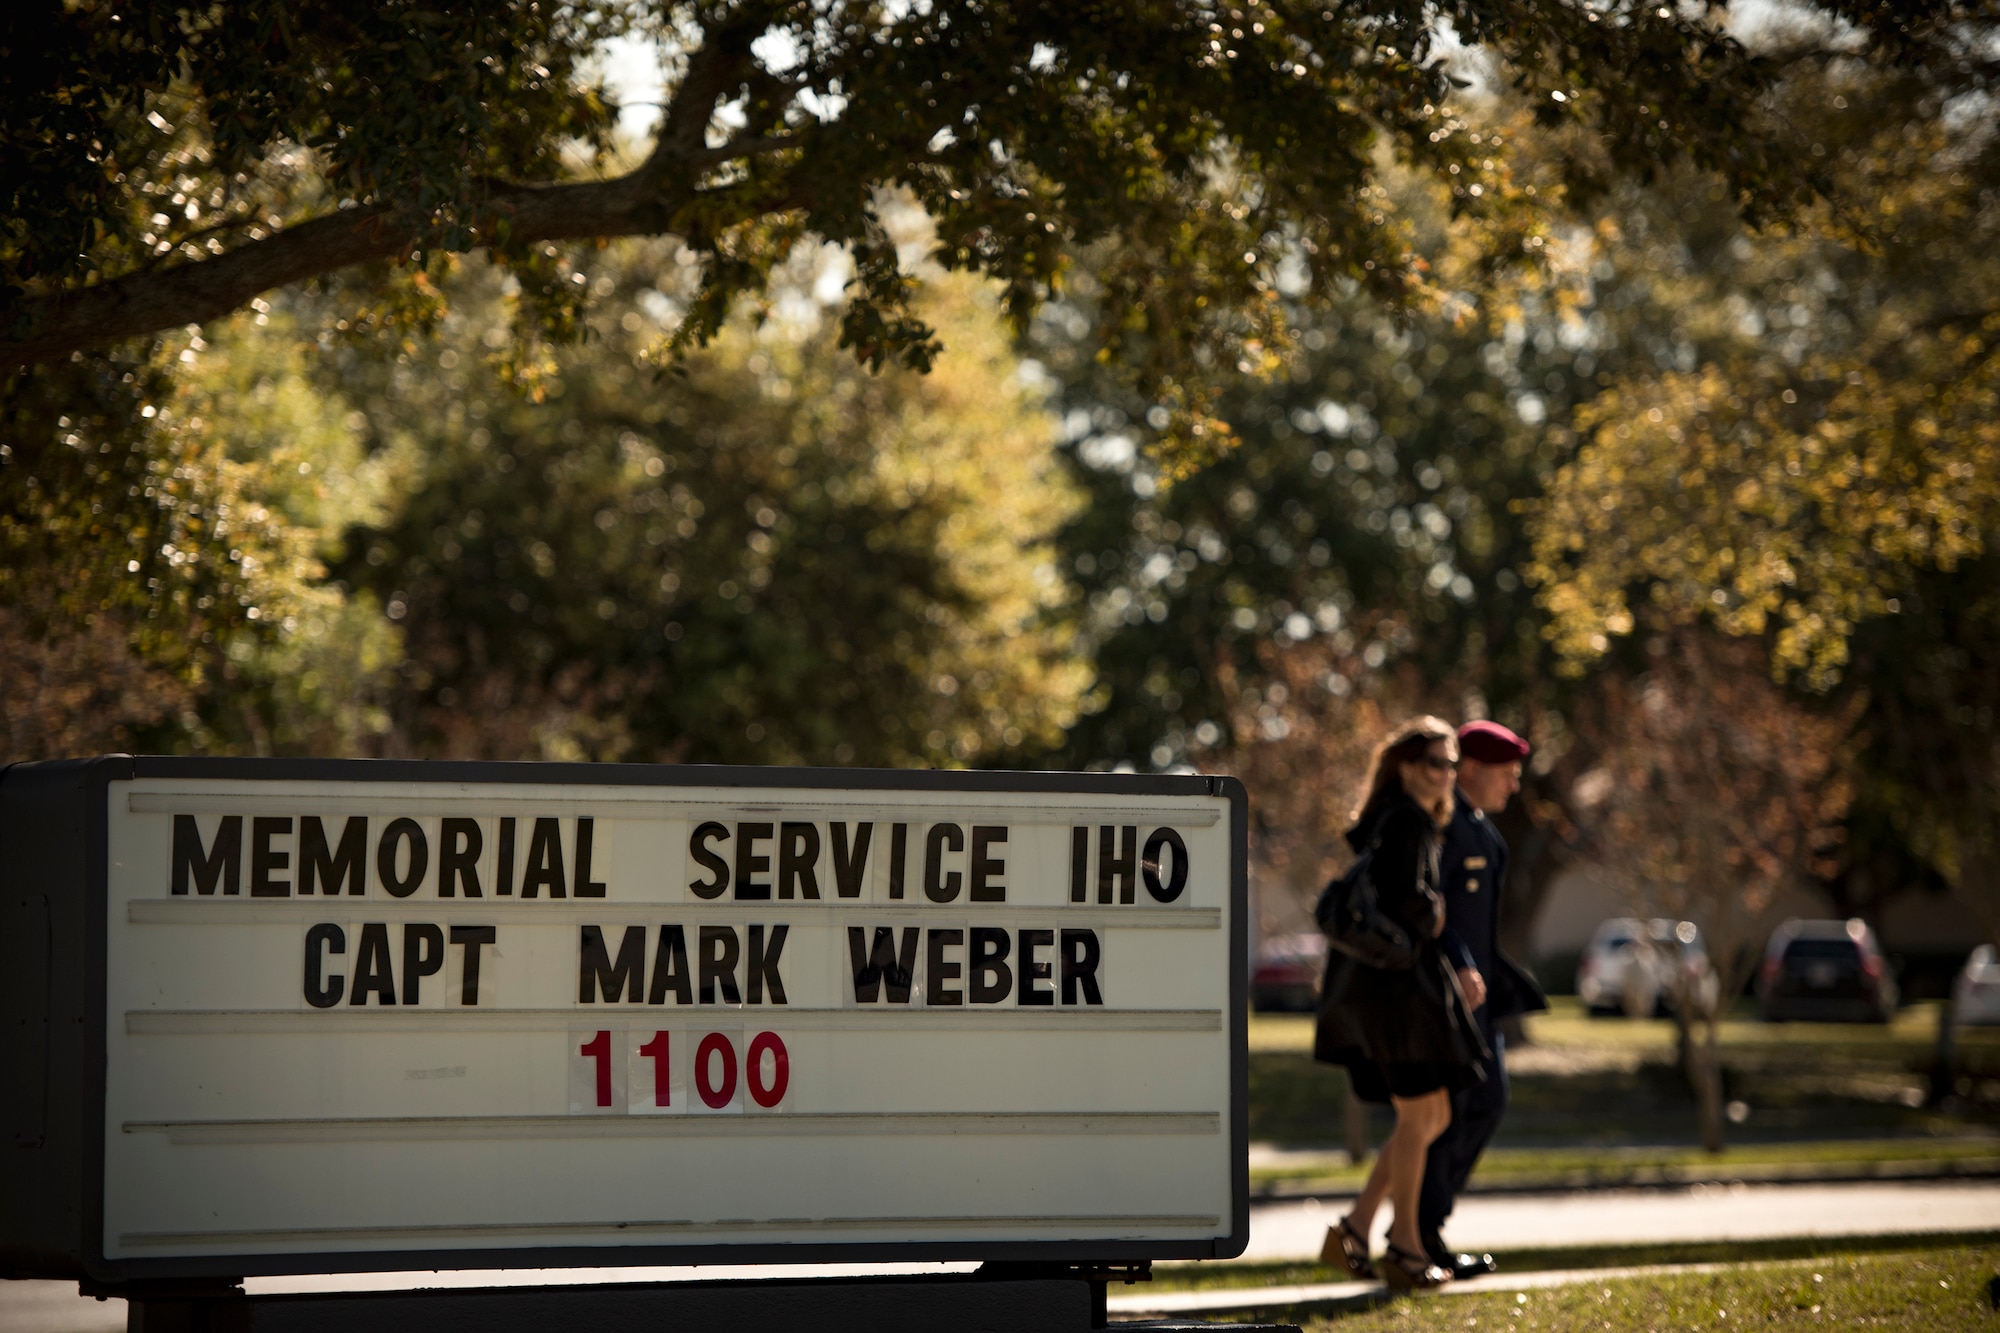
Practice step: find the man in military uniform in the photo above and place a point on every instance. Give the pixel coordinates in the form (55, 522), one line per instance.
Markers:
(1473, 869)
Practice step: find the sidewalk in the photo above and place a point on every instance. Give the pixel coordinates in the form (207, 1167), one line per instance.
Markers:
(1699, 1212)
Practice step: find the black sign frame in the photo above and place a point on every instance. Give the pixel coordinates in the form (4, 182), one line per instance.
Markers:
(54, 830)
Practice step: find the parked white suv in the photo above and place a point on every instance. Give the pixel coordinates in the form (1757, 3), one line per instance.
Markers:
(1632, 966)
(1977, 992)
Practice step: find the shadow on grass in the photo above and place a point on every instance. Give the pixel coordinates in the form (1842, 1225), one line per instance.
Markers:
(1249, 1276)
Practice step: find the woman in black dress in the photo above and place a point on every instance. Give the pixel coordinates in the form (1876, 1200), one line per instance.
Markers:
(1406, 1037)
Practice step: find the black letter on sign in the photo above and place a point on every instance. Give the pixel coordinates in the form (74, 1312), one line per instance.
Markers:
(1033, 970)
(221, 862)
(798, 854)
(586, 833)
(1150, 866)
(670, 967)
(990, 947)
(987, 869)
(1080, 955)
(1079, 862)
(698, 848)
(762, 970)
(1124, 866)
(471, 937)
(848, 865)
(718, 960)
(423, 956)
(503, 864)
(899, 845)
(323, 994)
(937, 971)
(748, 863)
(881, 963)
(372, 973)
(264, 858)
(385, 858)
(938, 886)
(623, 980)
(458, 857)
(330, 868)
(545, 861)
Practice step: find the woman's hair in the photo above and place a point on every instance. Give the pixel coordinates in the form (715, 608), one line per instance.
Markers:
(1405, 744)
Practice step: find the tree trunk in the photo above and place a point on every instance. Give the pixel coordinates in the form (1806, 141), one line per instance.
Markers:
(1706, 1075)
(1944, 1057)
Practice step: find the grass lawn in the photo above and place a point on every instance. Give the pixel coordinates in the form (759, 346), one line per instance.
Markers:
(1601, 1084)
(1909, 1292)
(1208, 1276)
(1612, 1166)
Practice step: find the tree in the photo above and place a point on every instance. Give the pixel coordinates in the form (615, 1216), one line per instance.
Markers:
(1929, 701)
(1821, 458)
(1355, 557)
(151, 573)
(166, 165)
(1713, 795)
(772, 556)
(1830, 430)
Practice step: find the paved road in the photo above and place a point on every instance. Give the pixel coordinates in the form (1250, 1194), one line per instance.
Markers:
(1283, 1231)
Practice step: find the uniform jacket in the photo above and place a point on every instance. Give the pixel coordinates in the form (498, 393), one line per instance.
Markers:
(1413, 1016)
(1471, 870)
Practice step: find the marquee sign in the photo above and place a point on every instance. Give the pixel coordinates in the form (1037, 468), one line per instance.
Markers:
(367, 1015)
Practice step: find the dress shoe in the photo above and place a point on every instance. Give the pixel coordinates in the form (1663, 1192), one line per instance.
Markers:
(1452, 1261)
(1468, 1265)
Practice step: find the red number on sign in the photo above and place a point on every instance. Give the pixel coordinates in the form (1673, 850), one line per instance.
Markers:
(599, 1049)
(717, 1094)
(753, 1069)
(663, 1082)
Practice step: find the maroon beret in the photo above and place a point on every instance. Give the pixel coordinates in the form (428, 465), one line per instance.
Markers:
(1490, 743)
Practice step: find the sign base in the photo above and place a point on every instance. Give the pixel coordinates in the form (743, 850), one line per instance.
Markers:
(968, 1303)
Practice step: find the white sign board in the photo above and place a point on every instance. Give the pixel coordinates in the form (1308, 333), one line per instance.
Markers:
(944, 1015)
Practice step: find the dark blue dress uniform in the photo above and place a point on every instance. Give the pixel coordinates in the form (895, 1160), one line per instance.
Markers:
(1472, 869)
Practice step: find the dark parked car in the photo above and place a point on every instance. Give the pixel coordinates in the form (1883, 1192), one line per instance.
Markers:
(1825, 971)
(1285, 977)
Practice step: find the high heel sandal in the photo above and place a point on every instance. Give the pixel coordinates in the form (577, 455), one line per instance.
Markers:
(1347, 1248)
(1403, 1271)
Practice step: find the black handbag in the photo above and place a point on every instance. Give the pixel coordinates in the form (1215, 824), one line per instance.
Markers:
(1354, 923)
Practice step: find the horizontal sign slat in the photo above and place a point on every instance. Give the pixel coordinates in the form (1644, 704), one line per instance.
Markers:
(808, 805)
(186, 1022)
(808, 1124)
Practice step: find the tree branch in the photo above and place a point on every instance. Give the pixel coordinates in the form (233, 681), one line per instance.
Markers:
(643, 202)
(49, 327)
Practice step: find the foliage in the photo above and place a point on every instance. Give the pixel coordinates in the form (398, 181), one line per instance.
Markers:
(1715, 792)
(1930, 715)
(1814, 465)
(1833, 427)
(309, 676)
(160, 538)
(772, 557)
(166, 165)
(1353, 561)
(1368, 510)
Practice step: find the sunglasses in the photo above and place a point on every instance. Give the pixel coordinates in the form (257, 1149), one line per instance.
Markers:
(1437, 765)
